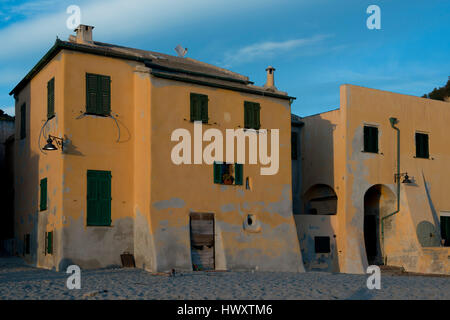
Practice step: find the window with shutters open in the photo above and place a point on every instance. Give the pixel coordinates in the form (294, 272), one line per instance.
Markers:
(252, 115)
(227, 173)
(98, 198)
(199, 107)
(370, 139)
(98, 94)
(43, 195)
(422, 148)
(51, 98)
(23, 121)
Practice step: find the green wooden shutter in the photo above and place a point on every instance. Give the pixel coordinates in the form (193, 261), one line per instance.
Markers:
(256, 117)
(23, 121)
(193, 102)
(50, 242)
(204, 108)
(375, 139)
(247, 114)
(217, 172)
(98, 198)
(238, 174)
(51, 98)
(104, 107)
(91, 93)
(43, 198)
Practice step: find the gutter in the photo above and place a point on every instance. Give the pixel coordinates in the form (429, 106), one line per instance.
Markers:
(393, 121)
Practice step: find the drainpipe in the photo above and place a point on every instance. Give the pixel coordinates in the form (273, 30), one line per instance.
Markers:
(393, 121)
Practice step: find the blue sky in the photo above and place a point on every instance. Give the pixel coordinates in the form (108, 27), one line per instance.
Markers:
(315, 45)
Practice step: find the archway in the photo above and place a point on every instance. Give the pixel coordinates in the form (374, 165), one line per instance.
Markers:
(320, 199)
(379, 201)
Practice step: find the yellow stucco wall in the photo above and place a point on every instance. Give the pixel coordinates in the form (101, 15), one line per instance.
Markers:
(151, 197)
(355, 171)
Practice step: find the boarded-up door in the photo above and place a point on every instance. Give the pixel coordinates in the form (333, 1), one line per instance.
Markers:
(202, 241)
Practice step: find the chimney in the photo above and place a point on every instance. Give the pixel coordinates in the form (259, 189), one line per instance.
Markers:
(84, 34)
(270, 84)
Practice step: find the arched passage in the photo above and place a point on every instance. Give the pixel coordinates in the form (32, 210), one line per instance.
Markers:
(379, 201)
(320, 199)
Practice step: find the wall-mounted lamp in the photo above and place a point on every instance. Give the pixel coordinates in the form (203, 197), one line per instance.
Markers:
(405, 177)
(50, 146)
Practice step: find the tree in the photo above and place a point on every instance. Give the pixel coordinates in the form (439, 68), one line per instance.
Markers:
(441, 93)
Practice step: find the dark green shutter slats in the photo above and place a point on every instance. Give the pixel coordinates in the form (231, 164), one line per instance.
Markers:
(43, 198)
(98, 94)
(51, 98)
(217, 172)
(91, 93)
(49, 242)
(238, 174)
(105, 86)
(252, 115)
(23, 121)
(98, 198)
(199, 107)
(422, 147)
(370, 139)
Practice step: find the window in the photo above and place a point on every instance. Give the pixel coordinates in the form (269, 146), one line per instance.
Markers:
(43, 199)
(23, 121)
(422, 150)
(251, 115)
(225, 173)
(27, 244)
(199, 107)
(322, 244)
(294, 142)
(370, 139)
(49, 242)
(51, 98)
(98, 94)
(98, 198)
(445, 230)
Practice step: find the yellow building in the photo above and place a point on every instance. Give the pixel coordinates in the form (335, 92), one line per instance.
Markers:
(113, 188)
(375, 182)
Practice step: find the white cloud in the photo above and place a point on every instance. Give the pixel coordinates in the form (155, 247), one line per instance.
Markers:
(115, 21)
(269, 49)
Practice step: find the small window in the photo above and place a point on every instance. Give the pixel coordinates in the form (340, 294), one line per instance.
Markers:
(248, 183)
(370, 139)
(23, 121)
(49, 242)
(51, 98)
(445, 230)
(322, 244)
(226, 173)
(294, 143)
(98, 94)
(43, 193)
(199, 107)
(27, 244)
(252, 115)
(98, 198)
(422, 150)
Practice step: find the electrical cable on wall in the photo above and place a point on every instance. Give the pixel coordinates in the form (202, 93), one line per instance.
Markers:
(118, 127)
(40, 134)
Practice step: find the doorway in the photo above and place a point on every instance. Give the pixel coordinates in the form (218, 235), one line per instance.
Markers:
(379, 201)
(202, 241)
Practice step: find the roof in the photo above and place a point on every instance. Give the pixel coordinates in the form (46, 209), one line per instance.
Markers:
(161, 65)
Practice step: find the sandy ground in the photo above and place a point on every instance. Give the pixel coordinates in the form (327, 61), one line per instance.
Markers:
(19, 281)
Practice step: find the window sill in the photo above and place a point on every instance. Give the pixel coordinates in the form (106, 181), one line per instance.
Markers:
(429, 158)
(371, 152)
(99, 226)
